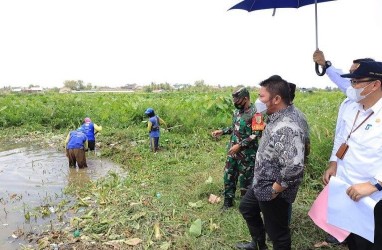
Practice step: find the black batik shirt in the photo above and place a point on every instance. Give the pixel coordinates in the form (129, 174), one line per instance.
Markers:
(280, 156)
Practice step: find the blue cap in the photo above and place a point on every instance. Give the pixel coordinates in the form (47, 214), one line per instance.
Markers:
(80, 129)
(366, 69)
(149, 111)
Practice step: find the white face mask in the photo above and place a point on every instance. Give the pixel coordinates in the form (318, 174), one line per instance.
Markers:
(355, 94)
(260, 106)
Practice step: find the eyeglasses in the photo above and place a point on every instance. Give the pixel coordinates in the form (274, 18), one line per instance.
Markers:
(355, 82)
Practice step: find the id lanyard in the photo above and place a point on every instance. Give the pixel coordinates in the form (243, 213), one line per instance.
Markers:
(341, 152)
(353, 130)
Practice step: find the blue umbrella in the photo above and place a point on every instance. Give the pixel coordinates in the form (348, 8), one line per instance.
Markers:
(252, 5)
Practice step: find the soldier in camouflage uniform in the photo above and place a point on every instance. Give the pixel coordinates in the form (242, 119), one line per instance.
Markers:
(242, 147)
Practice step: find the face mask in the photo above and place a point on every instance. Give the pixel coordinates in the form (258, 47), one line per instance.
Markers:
(239, 105)
(355, 94)
(260, 106)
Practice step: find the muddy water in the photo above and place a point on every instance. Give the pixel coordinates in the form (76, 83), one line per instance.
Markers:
(31, 178)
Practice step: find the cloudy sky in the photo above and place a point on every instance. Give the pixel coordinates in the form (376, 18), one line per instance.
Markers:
(117, 42)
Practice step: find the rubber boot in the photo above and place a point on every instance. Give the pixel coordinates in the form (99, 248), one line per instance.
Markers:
(228, 203)
(249, 246)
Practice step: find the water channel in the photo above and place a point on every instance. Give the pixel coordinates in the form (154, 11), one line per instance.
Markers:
(31, 177)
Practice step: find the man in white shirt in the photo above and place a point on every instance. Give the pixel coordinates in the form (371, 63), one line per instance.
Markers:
(343, 84)
(360, 152)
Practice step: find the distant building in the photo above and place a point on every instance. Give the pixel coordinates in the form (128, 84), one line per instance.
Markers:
(305, 90)
(16, 89)
(106, 89)
(34, 89)
(158, 90)
(180, 86)
(129, 86)
(65, 90)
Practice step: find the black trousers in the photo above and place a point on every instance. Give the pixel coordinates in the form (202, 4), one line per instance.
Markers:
(356, 242)
(91, 145)
(276, 219)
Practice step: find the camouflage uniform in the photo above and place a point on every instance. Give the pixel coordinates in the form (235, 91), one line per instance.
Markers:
(239, 167)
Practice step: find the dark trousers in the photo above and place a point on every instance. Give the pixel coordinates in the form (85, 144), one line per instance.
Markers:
(76, 156)
(356, 242)
(91, 145)
(276, 219)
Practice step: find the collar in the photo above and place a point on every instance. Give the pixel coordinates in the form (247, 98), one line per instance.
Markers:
(273, 117)
(375, 108)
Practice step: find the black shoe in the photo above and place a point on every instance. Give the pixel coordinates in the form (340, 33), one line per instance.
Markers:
(262, 245)
(331, 240)
(254, 244)
(228, 203)
(249, 245)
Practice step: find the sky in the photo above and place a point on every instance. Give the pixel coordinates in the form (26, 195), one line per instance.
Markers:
(118, 42)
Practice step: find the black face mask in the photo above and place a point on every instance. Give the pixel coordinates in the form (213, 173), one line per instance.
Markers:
(239, 105)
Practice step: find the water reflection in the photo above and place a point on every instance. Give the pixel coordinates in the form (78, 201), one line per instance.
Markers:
(78, 177)
(32, 177)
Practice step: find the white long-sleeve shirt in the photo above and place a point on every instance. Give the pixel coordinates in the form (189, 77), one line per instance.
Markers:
(334, 75)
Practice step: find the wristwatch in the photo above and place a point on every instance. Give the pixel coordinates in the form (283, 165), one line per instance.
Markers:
(377, 184)
(328, 64)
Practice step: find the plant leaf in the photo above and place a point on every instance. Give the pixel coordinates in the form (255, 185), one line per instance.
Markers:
(196, 228)
(133, 241)
(209, 180)
(165, 245)
(197, 204)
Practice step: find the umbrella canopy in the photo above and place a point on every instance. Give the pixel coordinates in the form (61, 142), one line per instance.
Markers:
(252, 5)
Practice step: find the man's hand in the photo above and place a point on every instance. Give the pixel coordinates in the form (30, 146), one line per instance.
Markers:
(331, 171)
(278, 188)
(358, 191)
(217, 133)
(319, 57)
(234, 149)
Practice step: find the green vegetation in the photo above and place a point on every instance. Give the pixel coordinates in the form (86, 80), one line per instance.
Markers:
(164, 194)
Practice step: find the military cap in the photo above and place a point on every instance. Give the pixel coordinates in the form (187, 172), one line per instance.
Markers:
(240, 93)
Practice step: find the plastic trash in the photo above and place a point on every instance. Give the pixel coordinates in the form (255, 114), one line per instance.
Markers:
(53, 246)
(76, 233)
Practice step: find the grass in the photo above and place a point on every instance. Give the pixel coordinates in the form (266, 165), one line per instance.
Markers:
(155, 203)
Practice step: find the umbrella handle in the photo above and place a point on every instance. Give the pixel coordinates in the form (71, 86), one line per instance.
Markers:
(318, 70)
